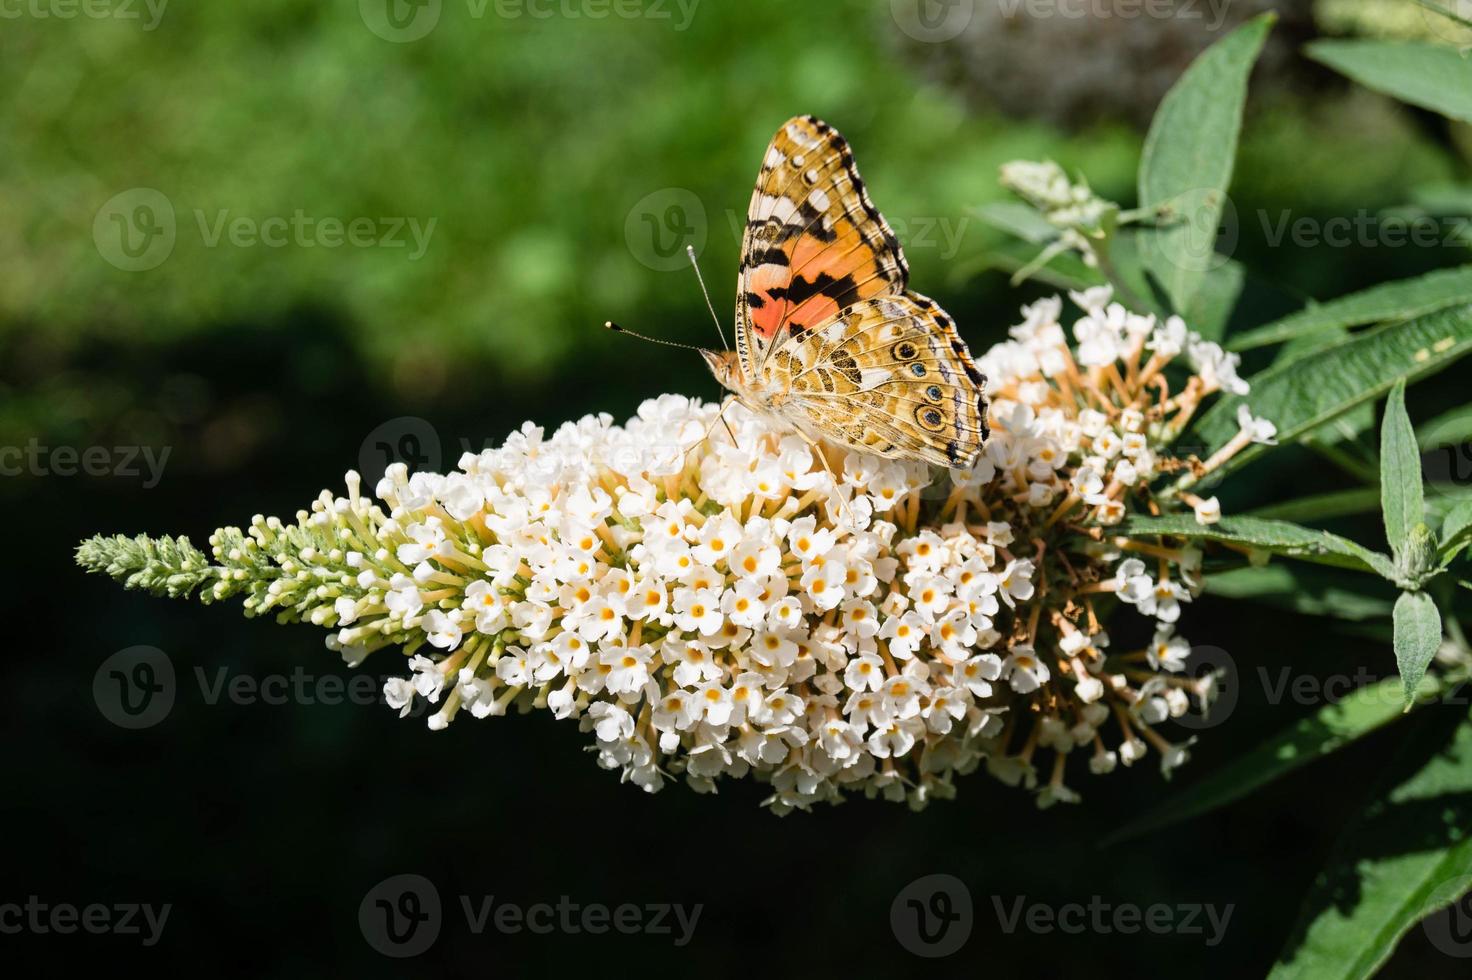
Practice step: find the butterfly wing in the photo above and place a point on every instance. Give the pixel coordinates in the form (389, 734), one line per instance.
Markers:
(814, 243)
(889, 376)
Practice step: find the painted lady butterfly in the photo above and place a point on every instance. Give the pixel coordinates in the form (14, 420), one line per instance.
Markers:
(829, 339)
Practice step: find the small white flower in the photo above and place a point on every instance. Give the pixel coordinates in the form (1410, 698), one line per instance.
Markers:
(864, 674)
(698, 611)
(443, 632)
(743, 604)
(1024, 671)
(1208, 511)
(1260, 430)
(628, 668)
(904, 633)
(1168, 651)
(398, 693)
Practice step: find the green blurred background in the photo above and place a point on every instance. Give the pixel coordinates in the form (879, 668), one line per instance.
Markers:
(555, 156)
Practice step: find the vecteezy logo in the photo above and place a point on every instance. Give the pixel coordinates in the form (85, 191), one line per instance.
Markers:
(662, 224)
(1216, 669)
(400, 916)
(135, 230)
(931, 916)
(1199, 231)
(134, 688)
(1446, 460)
(407, 439)
(932, 20)
(1450, 929)
(400, 21)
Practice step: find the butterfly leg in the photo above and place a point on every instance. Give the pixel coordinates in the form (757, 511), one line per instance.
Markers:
(720, 417)
(817, 449)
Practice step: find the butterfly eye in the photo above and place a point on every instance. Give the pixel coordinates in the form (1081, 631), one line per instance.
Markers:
(918, 370)
(905, 350)
(933, 393)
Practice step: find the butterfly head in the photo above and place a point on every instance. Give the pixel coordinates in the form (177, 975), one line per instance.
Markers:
(726, 367)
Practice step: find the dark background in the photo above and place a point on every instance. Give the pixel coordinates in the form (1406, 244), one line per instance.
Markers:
(534, 143)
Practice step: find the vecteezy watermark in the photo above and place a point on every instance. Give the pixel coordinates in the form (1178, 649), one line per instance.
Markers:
(1215, 673)
(662, 225)
(931, 916)
(138, 688)
(134, 688)
(400, 21)
(42, 918)
(1367, 229)
(1450, 928)
(407, 439)
(34, 459)
(403, 21)
(678, 12)
(932, 21)
(302, 230)
(403, 915)
(1106, 918)
(135, 230)
(1214, 12)
(1283, 686)
(937, 21)
(150, 12)
(1446, 457)
(138, 229)
(1198, 231)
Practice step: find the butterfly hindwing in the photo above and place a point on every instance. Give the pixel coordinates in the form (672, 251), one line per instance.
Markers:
(814, 243)
(888, 375)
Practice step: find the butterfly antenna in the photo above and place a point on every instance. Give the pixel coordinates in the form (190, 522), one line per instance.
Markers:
(690, 251)
(653, 340)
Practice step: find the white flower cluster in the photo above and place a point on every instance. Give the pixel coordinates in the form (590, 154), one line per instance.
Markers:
(712, 601)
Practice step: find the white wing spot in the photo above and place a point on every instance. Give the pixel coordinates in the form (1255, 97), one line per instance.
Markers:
(802, 137)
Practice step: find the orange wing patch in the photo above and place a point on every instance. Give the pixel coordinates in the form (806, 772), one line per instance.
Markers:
(814, 243)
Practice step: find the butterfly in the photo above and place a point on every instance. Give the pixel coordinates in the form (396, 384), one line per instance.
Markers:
(830, 340)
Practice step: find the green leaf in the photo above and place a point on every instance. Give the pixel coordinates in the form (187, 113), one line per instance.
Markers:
(1303, 395)
(1452, 15)
(1456, 531)
(1303, 589)
(1402, 499)
(1063, 271)
(1188, 156)
(1129, 274)
(1217, 298)
(1323, 506)
(1397, 300)
(1327, 730)
(1417, 638)
(1432, 76)
(1443, 198)
(1276, 537)
(1402, 858)
(1018, 219)
(1447, 429)
(1310, 343)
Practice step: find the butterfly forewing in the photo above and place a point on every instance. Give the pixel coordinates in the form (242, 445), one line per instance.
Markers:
(814, 244)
